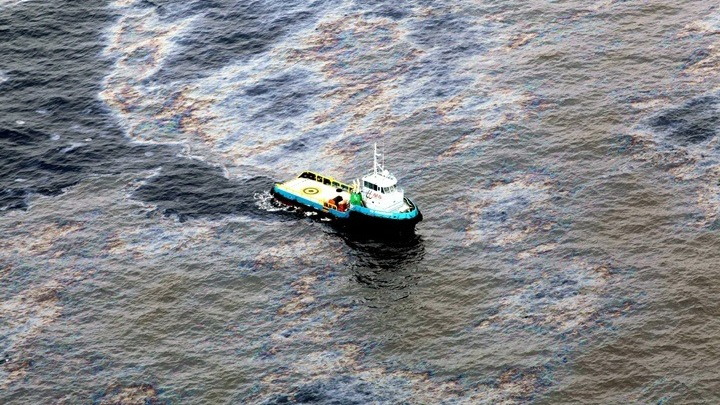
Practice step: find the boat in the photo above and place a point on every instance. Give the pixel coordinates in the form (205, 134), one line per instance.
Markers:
(375, 201)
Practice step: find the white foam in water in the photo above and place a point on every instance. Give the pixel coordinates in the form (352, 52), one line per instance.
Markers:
(10, 3)
(265, 201)
(73, 146)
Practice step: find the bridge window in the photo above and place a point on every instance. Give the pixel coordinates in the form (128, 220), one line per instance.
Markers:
(372, 186)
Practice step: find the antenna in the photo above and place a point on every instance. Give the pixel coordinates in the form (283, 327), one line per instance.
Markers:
(375, 160)
(383, 155)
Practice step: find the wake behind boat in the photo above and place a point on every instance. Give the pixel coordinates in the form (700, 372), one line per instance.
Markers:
(374, 201)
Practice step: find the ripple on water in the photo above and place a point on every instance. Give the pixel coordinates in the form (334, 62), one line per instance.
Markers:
(144, 394)
(510, 210)
(11, 3)
(562, 301)
(279, 93)
(703, 63)
(346, 76)
(682, 140)
(32, 300)
(289, 326)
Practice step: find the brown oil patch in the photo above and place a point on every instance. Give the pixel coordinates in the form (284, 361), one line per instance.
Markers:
(685, 164)
(134, 394)
(366, 57)
(301, 288)
(512, 386)
(62, 239)
(141, 43)
(26, 314)
(548, 303)
(537, 250)
(144, 242)
(522, 40)
(704, 63)
(536, 194)
(23, 317)
(306, 321)
(41, 240)
(705, 27)
(708, 65)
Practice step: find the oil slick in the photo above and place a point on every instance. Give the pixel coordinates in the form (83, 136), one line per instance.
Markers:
(348, 76)
(289, 302)
(342, 77)
(30, 306)
(682, 140)
(140, 43)
(510, 210)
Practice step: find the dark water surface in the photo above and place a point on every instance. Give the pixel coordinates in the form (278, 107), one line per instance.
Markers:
(565, 156)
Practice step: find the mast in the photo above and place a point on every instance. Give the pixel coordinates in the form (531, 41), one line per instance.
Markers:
(383, 156)
(376, 165)
(375, 162)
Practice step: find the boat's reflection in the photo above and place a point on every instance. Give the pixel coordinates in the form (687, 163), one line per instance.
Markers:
(386, 266)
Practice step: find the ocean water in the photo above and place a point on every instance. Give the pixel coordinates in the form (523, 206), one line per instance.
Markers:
(564, 154)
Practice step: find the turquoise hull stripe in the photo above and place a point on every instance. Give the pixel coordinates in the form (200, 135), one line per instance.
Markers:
(400, 216)
(356, 208)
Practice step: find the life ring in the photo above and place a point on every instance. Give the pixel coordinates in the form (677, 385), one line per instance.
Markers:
(310, 190)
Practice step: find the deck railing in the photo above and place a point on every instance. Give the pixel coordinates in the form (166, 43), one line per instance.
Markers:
(326, 180)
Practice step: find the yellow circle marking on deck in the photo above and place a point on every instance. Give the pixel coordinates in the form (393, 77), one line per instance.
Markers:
(310, 190)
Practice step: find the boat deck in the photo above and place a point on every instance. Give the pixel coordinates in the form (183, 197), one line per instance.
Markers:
(313, 190)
